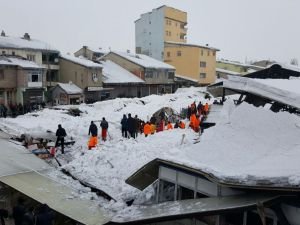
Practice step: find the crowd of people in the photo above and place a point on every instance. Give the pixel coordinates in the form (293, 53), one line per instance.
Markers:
(22, 215)
(14, 110)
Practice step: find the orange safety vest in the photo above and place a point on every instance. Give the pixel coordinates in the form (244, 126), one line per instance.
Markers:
(93, 142)
(182, 125)
(147, 129)
(169, 126)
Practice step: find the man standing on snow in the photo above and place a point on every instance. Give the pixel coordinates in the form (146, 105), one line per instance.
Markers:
(104, 126)
(60, 134)
(93, 129)
(131, 126)
(124, 126)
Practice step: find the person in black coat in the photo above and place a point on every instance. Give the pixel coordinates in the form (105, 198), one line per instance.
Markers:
(60, 134)
(3, 214)
(104, 126)
(44, 215)
(93, 129)
(124, 126)
(131, 126)
(19, 211)
(28, 218)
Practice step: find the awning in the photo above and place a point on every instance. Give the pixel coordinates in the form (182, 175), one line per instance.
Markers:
(188, 208)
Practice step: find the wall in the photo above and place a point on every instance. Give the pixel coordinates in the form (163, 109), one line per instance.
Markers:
(174, 18)
(24, 53)
(149, 33)
(231, 67)
(188, 64)
(131, 67)
(10, 77)
(83, 79)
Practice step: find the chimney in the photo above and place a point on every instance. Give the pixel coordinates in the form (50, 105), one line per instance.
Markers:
(26, 36)
(206, 45)
(2, 33)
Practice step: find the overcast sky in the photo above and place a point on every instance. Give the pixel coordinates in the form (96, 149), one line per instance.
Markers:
(241, 29)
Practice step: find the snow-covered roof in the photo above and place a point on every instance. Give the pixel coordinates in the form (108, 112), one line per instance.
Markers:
(186, 78)
(70, 88)
(96, 50)
(192, 45)
(144, 60)
(13, 61)
(113, 73)
(21, 43)
(286, 92)
(286, 66)
(81, 61)
(240, 64)
(227, 71)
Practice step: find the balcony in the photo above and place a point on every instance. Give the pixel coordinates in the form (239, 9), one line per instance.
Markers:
(35, 84)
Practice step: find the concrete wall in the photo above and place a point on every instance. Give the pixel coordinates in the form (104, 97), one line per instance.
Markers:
(10, 77)
(188, 64)
(149, 33)
(79, 75)
(173, 22)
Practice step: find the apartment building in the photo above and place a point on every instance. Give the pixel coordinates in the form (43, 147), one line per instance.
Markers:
(162, 34)
(33, 50)
(84, 73)
(158, 76)
(21, 82)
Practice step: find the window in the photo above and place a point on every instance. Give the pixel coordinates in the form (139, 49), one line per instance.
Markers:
(3, 52)
(168, 54)
(184, 193)
(202, 52)
(150, 22)
(171, 75)
(214, 53)
(202, 75)
(149, 33)
(149, 74)
(202, 64)
(31, 57)
(13, 53)
(176, 24)
(208, 53)
(167, 190)
(1, 75)
(34, 77)
(178, 53)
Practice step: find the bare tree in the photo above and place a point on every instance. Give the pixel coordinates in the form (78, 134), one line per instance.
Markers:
(294, 62)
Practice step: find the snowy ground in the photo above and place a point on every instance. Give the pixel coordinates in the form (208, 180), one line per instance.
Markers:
(247, 145)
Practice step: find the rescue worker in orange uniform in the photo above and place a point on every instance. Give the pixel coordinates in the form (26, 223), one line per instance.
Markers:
(206, 108)
(169, 126)
(153, 128)
(92, 142)
(147, 129)
(197, 124)
(181, 125)
(193, 121)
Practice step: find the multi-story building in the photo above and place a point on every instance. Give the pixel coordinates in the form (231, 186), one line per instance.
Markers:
(21, 81)
(158, 76)
(162, 34)
(84, 73)
(34, 50)
(154, 28)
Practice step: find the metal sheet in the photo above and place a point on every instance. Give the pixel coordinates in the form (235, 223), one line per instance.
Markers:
(16, 159)
(59, 197)
(186, 208)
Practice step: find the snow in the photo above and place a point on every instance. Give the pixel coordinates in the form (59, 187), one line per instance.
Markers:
(21, 43)
(271, 89)
(186, 78)
(70, 88)
(144, 60)
(227, 71)
(291, 85)
(12, 61)
(81, 61)
(248, 144)
(113, 73)
(192, 45)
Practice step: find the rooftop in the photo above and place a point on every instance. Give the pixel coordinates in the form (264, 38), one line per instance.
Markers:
(144, 60)
(81, 61)
(22, 43)
(16, 61)
(113, 73)
(192, 45)
(70, 88)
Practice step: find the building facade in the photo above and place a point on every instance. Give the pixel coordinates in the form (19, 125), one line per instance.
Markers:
(158, 76)
(84, 73)
(162, 24)
(162, 34)
(67, 94)
(21, 82)
(33, 50)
